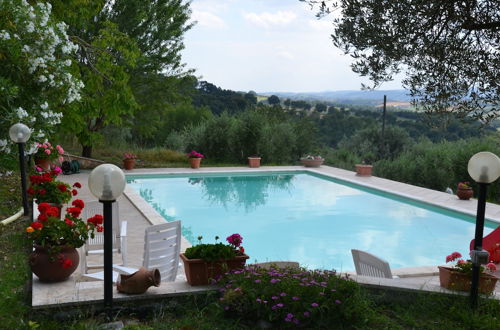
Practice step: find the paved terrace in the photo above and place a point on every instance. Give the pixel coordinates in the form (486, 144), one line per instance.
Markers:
(140, 215)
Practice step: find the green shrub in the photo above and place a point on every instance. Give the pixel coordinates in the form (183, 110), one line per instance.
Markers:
(292, 297)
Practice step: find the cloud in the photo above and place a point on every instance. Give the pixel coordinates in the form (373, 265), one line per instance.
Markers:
(320, 25)
(207, 19)
(266, 20)
(285, 54)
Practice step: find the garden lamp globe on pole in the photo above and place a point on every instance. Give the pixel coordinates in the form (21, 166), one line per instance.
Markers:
(484, 168)
(20, 133)
(107, 182)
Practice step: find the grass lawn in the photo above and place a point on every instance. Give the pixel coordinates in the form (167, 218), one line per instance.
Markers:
(375, 309)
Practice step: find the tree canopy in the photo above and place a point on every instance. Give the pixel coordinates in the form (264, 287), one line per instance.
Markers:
(448, 50)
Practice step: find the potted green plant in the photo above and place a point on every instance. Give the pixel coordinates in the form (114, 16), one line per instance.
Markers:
(55, 256)
(129, 160)
(464, 190)
(312, 161)
(459, 277)
(46, 153)
(203, 262)
(195, 158)
(45, 188)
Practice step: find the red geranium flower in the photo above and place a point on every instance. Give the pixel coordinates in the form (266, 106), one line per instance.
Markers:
(62, 187)
(52, 212)
(42, 191)
(78, 203)
(42, 217)
(74, 211)
(100, 229)
(77, 185)
(30, 191)
(36, 225)
(43, 207)
(74, 192)
(69, 222)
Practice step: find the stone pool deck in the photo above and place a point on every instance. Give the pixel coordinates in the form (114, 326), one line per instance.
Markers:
(140, 215)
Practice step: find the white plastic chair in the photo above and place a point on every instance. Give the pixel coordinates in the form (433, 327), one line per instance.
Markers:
(96, 245)
(162, 244)
(369, 265)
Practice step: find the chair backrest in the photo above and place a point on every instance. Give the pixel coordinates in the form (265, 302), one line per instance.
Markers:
(162, 245)
(94, 207)
(369, 265)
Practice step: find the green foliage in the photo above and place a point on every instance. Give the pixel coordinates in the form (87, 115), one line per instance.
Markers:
(221, 100)
(295, 297)
(438, 165)
(210, 252)
(436, 44)
(37, 80)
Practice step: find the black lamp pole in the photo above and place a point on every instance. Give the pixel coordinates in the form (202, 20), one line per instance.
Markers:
(22, 165)
(478, 242)
(108, 256)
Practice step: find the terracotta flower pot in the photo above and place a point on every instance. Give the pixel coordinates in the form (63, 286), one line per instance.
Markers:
(465, 194)
(312, 162)
(195, 162)
(44, 164)
(254, 162)
(139, 282)
(129, 164)
(53, 268)
(453, 280)
(364, 170)
(200, 272)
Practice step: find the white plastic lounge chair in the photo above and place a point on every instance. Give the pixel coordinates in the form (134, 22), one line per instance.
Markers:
(96, 245)
(369, 265)
(162, 245)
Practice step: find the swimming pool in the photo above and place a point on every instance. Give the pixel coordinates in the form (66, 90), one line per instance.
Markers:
(308, 218)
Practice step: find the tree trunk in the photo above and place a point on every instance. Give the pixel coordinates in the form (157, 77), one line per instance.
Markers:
(87, 151)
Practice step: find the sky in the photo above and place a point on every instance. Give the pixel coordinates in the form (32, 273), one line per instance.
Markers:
(266, 46)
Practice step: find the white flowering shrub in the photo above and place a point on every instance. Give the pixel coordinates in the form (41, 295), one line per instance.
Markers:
(37, 80)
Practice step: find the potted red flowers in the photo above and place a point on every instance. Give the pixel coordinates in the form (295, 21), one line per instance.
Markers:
(55, 256)
(459, 277)
(129, 160)
(204, 262)
(195, 159)
(464, 190)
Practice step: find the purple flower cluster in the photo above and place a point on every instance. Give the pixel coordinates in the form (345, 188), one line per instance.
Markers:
(292, 296)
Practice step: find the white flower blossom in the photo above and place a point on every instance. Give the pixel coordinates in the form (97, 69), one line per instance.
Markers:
(42, 78)
(44, 105)
(21, 113)
(4, 35)
(30, 27)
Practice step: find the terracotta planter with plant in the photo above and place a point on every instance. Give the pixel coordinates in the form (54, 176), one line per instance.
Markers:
(312, 161)
(206, 262)
(464, 191)
(129, 160)
(46, 154)
(459, 277)
(55, 257)
(254, 161)
(363, 169)
(195, 158)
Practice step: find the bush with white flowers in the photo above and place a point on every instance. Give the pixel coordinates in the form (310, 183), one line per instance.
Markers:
(37, 80)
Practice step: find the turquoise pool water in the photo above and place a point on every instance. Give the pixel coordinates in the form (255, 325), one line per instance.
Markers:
(308, 218)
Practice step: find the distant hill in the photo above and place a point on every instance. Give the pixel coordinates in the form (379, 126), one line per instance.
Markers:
(397, 97)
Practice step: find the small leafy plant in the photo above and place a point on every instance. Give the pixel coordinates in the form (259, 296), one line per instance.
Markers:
(312, 157)
(216, 251)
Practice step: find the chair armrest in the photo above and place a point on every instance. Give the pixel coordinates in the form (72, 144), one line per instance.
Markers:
(124, 270)
(123, 229)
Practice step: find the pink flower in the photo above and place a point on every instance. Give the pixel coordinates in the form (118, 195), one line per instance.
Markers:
(47, 151)
(57, 169)
(59, 149)
(491, 267)
(461, 262)
(235, 239)
(38, 169)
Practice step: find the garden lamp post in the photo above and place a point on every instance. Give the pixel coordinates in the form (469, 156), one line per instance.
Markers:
(107, 182)
(20, 133)
(484, 168)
